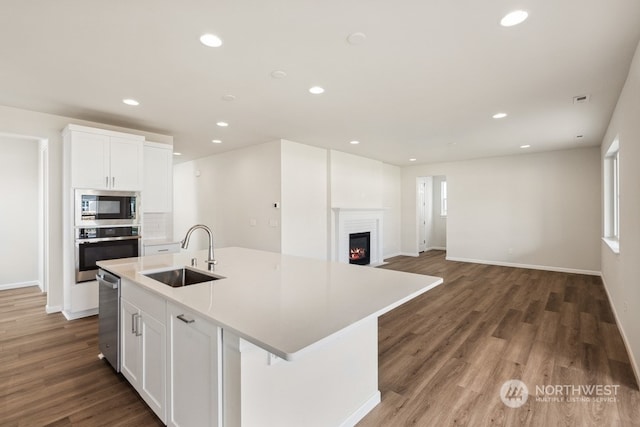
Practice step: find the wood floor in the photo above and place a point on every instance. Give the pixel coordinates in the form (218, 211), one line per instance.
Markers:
(443, 356)
(50, 374)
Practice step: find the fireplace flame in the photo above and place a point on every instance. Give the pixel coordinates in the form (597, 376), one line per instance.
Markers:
(357, 253)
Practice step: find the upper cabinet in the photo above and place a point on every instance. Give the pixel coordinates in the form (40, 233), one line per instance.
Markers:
(104, 160)
(158, 177)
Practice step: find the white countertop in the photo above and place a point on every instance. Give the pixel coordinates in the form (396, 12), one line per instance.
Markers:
(282, 303)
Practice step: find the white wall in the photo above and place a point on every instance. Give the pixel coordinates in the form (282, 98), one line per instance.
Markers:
(237, 187)
(19, 211)
(48, 127)
(356, 182)
(234, 194)
(537, 210)
(392, 202)
(621, 271)
(304, 203)
(359, 182)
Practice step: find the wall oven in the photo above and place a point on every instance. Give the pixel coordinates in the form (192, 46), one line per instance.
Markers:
(98, 208)
(103, 243)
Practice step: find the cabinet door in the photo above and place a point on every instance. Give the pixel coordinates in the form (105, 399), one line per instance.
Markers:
(90, 160)
(194, 370)
(158, 178)
(154, 367)
(126, 164)
(130, 344)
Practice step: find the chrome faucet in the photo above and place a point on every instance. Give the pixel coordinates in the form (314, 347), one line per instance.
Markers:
(211, 262)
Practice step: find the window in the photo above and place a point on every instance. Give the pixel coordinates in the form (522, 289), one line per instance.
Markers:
(443, 198)
(612, 196)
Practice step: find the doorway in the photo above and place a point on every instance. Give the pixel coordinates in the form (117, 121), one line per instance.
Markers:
(432, 212)
(24, 189)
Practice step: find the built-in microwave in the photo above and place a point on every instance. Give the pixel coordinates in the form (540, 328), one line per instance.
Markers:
(95, 207)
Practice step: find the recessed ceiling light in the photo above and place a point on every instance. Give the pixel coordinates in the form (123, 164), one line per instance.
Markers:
(216, 141)
(210, 40)
(514, 18)
(316, 90)
(223, 124)
(525, 146)
(354, 142)
(356, 38)
(278, 74)
(175, 153)
(412, 159)
(228, 98)
(130, 101)
(499, 115)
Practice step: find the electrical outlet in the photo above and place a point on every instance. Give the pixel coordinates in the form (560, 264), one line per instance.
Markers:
(625, 306)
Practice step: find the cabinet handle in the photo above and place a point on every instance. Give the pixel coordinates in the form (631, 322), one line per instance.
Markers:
(113, 182)
(133, 323)
(185, 319)
(138, 332)
(106, 181)
(163, 250)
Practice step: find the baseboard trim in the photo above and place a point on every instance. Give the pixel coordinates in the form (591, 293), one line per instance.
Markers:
(391, 255)
(529, 266)
(632, 359)
(363, 410)
(411, 254)
(20, 285)
(50, 309)
(79, 314)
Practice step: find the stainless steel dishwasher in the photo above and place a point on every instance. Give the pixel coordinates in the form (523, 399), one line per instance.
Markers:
(109, 317)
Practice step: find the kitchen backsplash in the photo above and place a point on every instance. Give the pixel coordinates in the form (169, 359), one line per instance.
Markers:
(156, 226)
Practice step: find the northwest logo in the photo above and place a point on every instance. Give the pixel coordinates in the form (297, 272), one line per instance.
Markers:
(514, 393)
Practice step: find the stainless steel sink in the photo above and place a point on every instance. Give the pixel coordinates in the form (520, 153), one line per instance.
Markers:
(181, 277)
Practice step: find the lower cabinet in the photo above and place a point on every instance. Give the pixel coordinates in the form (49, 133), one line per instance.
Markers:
(144, 345)
(194, 370)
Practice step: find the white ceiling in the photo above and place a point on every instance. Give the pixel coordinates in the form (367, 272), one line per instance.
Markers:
(423, 85)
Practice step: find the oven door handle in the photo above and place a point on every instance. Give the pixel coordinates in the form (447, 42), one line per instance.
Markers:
(106, 239)
(105, 282)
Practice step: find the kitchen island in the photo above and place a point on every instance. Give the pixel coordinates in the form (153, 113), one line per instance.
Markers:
(290, 340)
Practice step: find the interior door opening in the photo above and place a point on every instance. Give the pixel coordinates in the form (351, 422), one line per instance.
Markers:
(25, 169)
(432, 205)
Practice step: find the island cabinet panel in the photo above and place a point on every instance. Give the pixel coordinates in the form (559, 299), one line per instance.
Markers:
(195, 380)
(334, 383)
(144, 345)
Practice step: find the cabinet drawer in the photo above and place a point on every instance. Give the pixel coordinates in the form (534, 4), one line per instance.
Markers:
(169, 248)
(146, 301)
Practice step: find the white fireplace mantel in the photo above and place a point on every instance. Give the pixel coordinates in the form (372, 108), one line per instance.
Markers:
(349, 220)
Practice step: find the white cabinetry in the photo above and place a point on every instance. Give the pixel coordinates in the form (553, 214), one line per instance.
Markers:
(144, 345)
(194, 373)
(105, 160)
(152, 248)
(158, 177)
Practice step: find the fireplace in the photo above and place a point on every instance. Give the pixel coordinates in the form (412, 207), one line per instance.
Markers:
(359, 248)
(347, 221)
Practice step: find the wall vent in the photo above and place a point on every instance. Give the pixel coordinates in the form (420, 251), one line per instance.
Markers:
(581, 99)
